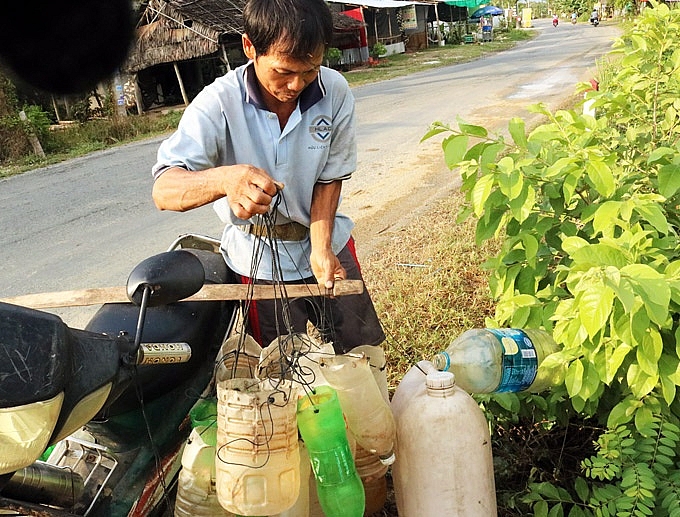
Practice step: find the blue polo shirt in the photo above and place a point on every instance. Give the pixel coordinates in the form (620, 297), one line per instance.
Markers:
(228, 124)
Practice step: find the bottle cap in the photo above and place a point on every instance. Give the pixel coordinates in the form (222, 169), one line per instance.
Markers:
(439, 380)
(388, 459)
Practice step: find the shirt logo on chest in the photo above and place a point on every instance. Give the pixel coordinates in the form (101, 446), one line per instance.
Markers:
(321, 128)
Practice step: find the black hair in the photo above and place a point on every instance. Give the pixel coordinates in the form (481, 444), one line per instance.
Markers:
(298, 28)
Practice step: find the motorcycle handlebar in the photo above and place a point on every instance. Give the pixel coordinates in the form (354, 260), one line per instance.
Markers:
(162, 353)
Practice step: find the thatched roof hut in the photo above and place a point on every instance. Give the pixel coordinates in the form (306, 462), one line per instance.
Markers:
(179, 30)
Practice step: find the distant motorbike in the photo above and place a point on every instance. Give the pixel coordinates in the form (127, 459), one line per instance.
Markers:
(595, 21)
(555, 22)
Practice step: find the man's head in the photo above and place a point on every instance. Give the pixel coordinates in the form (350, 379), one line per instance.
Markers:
(298, 28)
(286, 40)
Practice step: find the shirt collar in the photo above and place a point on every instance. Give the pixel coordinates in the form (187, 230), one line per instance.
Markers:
(312, 94)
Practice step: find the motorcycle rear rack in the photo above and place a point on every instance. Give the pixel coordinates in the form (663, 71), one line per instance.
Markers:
(92, 461)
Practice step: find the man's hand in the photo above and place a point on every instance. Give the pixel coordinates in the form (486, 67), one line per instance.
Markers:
(326, 267)
(249, 190)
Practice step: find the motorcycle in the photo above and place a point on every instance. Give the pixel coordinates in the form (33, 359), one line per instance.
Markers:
(93, 422)
(595, 21)
(555, 22)
(111, 401)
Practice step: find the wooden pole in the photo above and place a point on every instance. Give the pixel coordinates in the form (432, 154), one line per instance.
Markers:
(30, 133)
(209, 292)
(181, 84)
(138, 95)
(56, 109)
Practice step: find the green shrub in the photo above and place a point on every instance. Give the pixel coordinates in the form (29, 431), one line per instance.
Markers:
(587, 209)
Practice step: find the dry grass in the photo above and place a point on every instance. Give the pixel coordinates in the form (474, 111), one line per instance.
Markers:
(428, 286)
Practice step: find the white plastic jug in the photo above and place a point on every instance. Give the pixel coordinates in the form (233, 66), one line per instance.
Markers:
(443, 464)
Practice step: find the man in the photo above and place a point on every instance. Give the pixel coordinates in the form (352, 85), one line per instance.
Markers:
(270, 143)
(594, 16)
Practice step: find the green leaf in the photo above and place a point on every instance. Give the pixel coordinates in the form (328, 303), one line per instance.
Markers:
(541, 509)
(480, 193)
(573, 379)
(594, 305)
(601, 176)
(643, 419)
(659, 153)
(669, 180)
(434, 131)
(652, 288)
(600, 255)
(649, 352)
(510, 180)
(639, 382)
(605, 217)
(653, 213)
(582, 490)
(530, 248)
(455, 148)
(615, 356)
(622, 413)
(517, 132)
(476, 131)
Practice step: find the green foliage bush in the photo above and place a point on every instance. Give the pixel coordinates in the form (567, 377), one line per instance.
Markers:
(587, 209)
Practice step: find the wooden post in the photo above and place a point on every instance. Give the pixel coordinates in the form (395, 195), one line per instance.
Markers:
(138, 95)
(56, 109)
(35, 143)
(439, 32)
(181, 84)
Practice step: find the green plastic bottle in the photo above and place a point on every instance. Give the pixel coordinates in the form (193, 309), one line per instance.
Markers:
(322, 426)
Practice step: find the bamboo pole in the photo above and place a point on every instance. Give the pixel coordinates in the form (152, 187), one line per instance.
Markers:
(209, 292)
(181, 84)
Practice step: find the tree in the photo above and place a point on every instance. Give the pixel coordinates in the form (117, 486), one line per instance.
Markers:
(587, 211)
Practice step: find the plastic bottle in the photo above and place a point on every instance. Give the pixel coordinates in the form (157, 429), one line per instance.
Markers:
(238, 358)
(258, 458)
(372, 472)
(301, 506)
(501, 360)
(338, 485)
(294, 357)
(196, 494)
(378, 363)
(443, 461)
(368, 414)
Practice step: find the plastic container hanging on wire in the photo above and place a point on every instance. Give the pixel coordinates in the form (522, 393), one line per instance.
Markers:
(238, 358)
(295, 357)
(258, 459)
(339, 488)
(368, 414)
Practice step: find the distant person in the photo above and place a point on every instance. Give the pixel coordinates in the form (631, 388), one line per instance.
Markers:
(573, 18)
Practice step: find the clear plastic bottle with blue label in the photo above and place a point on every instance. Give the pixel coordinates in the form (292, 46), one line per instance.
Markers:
(502, 360)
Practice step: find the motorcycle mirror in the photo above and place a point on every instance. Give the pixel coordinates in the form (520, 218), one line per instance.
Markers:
(172, 276)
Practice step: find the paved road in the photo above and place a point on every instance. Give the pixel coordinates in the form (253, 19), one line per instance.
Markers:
(86, 222)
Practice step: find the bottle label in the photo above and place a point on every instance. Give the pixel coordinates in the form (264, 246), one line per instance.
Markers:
(520, 362)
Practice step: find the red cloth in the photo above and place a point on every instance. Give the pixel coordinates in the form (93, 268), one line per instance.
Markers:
(358, 14)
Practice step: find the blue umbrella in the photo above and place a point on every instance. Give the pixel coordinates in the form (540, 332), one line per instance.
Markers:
(489, 10)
